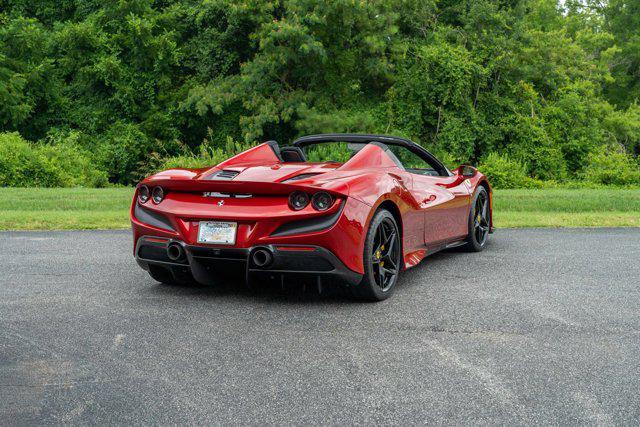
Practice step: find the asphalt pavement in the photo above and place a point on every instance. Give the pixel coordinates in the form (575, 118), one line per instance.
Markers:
(541, 327)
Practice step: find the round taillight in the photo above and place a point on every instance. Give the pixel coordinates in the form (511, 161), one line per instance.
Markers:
(298, 200)
(322, 201)
(157, 194)
(143, 193)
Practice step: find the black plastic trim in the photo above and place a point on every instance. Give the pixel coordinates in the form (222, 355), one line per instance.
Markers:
(223, 175)
(293, 262)
(309, 225)
(202, 263)
(276, 148)
(235, 254)
(301, 176)
(143, 241)
(152, 218)
(297, 150)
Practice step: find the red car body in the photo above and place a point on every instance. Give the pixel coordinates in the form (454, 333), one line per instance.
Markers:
(252, 189)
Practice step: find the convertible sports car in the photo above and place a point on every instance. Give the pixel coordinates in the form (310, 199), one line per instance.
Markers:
(351, 208)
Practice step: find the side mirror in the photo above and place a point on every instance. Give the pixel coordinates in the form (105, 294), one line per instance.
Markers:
(467, 171)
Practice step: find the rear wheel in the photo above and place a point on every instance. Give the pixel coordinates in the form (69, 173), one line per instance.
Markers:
(479, 221)
(381, 258)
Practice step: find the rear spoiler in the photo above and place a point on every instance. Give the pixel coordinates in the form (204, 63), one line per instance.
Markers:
(238, 187)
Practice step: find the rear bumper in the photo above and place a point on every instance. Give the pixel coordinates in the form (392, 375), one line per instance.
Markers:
(205, 264)
(340, 231)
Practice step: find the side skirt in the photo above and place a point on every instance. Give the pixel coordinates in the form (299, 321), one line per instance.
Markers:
(414, 258)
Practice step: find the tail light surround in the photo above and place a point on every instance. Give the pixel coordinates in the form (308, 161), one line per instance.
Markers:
(298, 200)
(157, 195)
(322, 201)
(143, 194)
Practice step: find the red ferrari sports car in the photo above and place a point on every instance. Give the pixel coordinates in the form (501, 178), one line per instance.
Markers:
(336, 207)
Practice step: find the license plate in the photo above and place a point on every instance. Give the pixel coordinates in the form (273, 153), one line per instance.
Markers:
(217, 232)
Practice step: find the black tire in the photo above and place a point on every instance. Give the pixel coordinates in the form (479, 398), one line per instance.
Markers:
(479, 221)
(163, 275)
(382, 245)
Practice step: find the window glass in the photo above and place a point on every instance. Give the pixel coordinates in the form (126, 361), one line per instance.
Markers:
(412, 162)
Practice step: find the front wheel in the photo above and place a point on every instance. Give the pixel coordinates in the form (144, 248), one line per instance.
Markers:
(381, 258)
(478, 221)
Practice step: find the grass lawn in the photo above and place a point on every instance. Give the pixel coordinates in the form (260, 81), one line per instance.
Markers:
(567, 208)
(84, 208)
(64, 208)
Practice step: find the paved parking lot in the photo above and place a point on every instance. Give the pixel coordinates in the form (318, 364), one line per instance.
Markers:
(543, 326)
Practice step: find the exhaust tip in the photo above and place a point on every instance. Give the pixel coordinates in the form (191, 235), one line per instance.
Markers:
(175, 251)
(262, 258)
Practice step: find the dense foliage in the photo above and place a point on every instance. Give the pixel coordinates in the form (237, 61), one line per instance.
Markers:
(532, 91)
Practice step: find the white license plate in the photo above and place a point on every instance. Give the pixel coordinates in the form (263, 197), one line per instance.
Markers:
(217, 232)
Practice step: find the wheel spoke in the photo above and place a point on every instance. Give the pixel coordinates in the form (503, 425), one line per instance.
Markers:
(389, 243)
(485, 206)
(390, 262)
(389, 248)
(380, 276)
(389, 270)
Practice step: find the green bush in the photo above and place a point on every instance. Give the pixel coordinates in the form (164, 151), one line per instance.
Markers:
(612, 167)
(544, 82)
(504, 172)
(530, 143)
(207, 156)
(126, 151)
(23, 164)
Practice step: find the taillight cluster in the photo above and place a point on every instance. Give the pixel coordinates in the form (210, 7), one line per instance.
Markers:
(320, 201)
(157, 194)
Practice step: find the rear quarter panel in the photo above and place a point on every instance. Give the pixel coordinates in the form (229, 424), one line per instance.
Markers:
(390, 185)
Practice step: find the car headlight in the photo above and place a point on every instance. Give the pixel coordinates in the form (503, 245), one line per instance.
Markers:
(157, 194)
(298, 200)
(322, 201)
(143, 194)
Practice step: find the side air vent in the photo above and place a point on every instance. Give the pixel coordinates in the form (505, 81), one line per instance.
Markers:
(225, 175)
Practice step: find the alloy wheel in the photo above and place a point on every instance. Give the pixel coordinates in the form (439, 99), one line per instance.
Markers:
(481, 218)
(385, 257)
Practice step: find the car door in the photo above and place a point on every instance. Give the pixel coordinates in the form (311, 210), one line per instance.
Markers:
(455, 206)
(443, 206)
(443, 200)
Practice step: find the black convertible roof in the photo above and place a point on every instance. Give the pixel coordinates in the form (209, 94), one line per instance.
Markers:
(365, 138)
